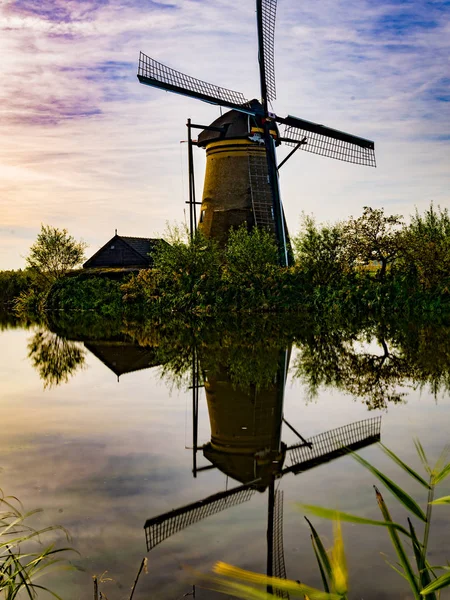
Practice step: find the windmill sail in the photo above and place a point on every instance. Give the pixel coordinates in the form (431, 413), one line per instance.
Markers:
(278, 564)
(328, 142)
(266, 11)
(155, 74)
(163, 526)
(327, 446)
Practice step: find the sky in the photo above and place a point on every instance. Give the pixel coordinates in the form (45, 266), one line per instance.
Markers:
(84, 146)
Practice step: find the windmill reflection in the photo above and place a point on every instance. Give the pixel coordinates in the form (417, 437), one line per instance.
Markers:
(246, 445)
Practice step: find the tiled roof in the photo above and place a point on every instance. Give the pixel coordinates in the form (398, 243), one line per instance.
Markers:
(143, 246)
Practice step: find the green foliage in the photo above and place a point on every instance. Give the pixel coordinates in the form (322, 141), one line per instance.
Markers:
(252, 255)
(19, 568)
(13, 283)
(54, 253)
(373, 237)
(186, 274)
(249, 269)
(320, 252)
(426, 248)
(419, 574)
(85, 292)
(335, 274)
(30, 303)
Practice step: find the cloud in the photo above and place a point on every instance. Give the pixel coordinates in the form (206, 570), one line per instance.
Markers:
(86, 147)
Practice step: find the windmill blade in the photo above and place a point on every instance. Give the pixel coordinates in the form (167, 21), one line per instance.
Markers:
(278, 564)
(327, 446)
(163, 526)
(328, 142)
(155, 74)
(266, 11)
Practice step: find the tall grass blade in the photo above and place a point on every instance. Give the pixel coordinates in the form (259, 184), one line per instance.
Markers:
(395, 490)
(396, 569)
(437, 584)
(422, 455)
(398, 547)
(323, 556)
(321, 569)
(294, 588)
(424, 575)
(334, 515)
(404, 466)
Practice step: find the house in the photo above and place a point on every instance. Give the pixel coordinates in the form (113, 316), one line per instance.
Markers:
(124, 251)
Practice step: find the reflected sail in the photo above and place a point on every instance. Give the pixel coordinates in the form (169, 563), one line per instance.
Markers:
(327, 446)
(163, 526)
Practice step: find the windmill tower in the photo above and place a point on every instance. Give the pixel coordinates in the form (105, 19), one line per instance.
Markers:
(241, 180)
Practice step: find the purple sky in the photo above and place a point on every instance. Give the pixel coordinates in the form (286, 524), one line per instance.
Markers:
(86, 147)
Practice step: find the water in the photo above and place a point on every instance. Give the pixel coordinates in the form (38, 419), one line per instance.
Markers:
(103, 448)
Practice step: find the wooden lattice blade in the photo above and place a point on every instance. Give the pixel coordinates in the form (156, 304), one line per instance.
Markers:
(266, 11)
(155, 74)
(328, 142)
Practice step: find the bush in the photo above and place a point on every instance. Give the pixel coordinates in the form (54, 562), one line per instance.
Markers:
(86, 293)
(13, 283)
(426, 248)
(320, 252)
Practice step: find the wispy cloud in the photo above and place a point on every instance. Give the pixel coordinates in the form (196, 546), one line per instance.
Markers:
(84, 146)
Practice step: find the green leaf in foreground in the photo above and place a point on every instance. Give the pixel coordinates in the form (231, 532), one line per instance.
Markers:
(442, 474)
(403, 558)
(424, 573)
(404, 466)
(443, 500)
(438, 584)
(321, 555)
(395, 490)
(231, 581)
(335, 515)
(422, 455)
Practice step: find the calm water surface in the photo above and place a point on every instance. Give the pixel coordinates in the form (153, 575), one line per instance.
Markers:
(100, 431)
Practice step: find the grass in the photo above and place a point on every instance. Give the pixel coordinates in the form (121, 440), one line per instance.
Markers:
(411, 552)
(24, 559)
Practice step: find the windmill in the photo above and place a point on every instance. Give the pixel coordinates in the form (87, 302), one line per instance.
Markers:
(246, 445)
(241, 178)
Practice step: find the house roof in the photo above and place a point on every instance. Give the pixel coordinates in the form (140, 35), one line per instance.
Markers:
(141, 246)
(121, 357)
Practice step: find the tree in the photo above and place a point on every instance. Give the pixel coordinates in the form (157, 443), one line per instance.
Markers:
(426, 247)
(320, 251)
(54, 253)
(373, 237)
(250, 255)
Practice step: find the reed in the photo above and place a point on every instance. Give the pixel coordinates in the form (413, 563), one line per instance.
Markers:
(23, 557)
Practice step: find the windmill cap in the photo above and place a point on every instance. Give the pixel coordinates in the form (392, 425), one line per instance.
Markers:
(237, 125)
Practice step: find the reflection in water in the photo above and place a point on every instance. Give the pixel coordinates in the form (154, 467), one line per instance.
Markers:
(122, 357)
(55, 358)
(246, 445)
(372, 361)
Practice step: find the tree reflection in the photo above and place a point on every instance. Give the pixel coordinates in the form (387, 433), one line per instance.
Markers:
(378, 360)
(377, 363)
(55, 358)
